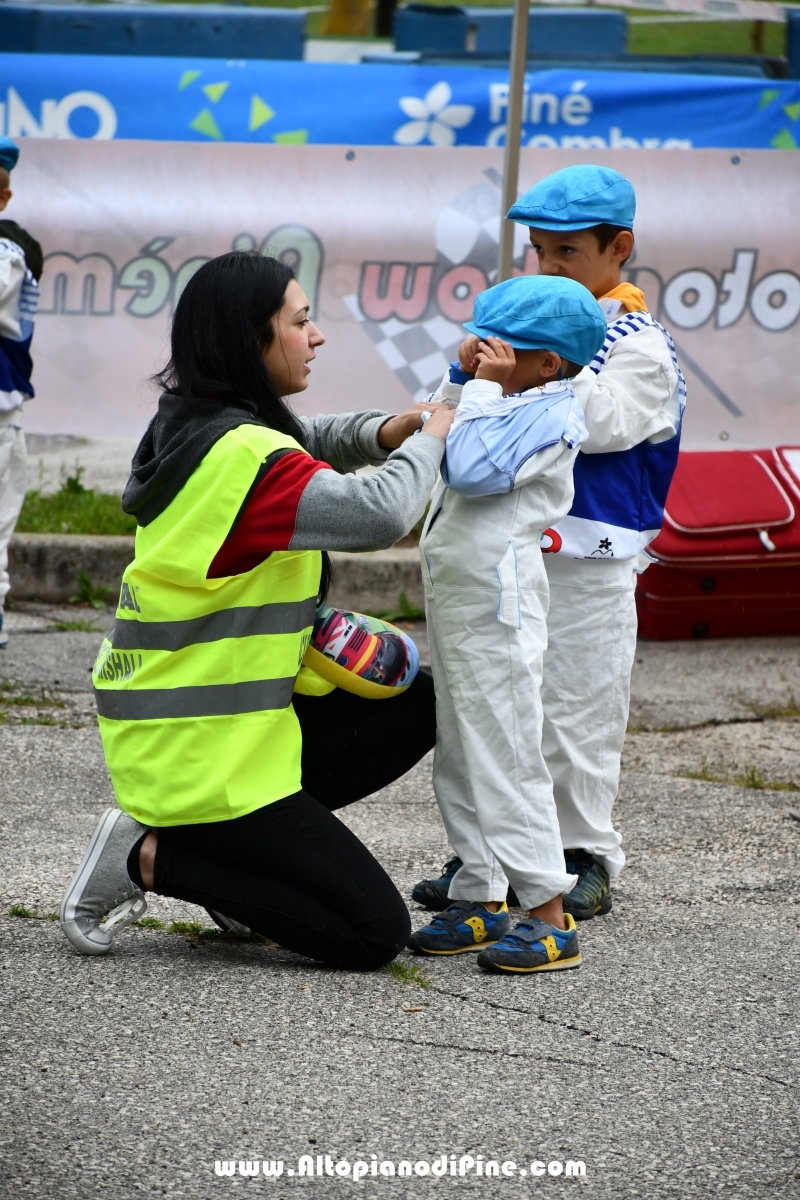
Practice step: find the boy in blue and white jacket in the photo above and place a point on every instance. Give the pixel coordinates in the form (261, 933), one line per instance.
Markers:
(632, 395)
(507, 477)
(19, 295)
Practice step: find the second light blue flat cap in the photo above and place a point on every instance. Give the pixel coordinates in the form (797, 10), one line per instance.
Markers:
(577, 198)
(9, 153)
(542, 312)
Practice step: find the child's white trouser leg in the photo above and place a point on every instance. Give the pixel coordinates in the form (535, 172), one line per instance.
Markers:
(13, 463)
(586, 693)
(489, 775)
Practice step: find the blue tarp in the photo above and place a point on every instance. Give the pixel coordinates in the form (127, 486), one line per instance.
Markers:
(212, 100)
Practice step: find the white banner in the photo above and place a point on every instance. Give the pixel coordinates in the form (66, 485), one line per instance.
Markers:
(392, 245)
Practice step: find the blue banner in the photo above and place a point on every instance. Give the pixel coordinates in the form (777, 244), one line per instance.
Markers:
(164, 99)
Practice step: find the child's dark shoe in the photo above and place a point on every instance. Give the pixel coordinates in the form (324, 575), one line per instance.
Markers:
(590, 896)
(533, 945)
(433, 893)
(463, 926)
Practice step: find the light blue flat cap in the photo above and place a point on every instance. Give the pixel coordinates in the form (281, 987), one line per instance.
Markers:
(577, 198)
(9, 153)
(542, 312)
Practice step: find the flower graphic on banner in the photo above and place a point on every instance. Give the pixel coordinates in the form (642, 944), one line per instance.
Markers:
(433, 117)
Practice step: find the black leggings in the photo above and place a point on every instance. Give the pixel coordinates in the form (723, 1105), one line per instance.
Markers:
(291, 870)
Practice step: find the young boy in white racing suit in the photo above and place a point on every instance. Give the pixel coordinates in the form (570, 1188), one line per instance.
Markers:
(507, 476)
(20, 269)
(632, 395)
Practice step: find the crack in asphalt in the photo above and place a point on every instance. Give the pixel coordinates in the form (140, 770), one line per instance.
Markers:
(595, 1037)
(462, 1048)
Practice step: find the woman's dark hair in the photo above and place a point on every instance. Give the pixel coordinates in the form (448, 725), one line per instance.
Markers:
(221, 327)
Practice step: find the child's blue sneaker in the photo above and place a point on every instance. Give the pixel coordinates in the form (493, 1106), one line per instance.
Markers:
(533, 945)
(465, 925)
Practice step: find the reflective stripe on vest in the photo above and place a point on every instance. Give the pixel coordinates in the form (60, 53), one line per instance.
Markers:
(194, 682)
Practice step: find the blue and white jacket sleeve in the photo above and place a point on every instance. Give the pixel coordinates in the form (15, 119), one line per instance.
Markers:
(499, 443)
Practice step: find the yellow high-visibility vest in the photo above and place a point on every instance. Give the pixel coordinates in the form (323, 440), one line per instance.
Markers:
(194, 680)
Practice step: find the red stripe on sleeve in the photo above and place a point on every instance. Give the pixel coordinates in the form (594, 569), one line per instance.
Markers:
(268, 522)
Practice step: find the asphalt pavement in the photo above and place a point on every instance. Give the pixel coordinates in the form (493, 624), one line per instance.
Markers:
(667, 1065)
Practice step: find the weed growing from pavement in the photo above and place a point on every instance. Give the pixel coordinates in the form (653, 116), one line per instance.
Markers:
(149, 923)
(776, 712)
(19, 910)
(402, 972)
(95, 595)
(75, 627)
(187, 928)
(750, 778)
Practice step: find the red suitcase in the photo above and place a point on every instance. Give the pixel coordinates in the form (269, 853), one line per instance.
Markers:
(728, 554)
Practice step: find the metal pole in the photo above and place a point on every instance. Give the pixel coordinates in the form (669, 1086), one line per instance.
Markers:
(516, 91)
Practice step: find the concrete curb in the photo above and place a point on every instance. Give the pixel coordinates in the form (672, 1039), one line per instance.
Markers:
(45, 567)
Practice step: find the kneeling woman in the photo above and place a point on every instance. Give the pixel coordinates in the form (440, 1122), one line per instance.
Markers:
(226, 776)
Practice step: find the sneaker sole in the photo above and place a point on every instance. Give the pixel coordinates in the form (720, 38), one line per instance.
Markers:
(560, 965)
(69, 925)
(460, 950)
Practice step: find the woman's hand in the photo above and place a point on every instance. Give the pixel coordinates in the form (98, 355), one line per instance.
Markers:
(496, 361)
(394, 432)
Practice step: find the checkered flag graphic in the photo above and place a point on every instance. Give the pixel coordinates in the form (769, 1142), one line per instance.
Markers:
(467, 232)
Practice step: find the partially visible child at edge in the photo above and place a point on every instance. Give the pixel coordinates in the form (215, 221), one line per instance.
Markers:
(507, 476)
(20, 271)
(632, 395)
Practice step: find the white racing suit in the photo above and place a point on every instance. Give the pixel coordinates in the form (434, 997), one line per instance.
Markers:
(19, 295)
(632, 397)
(486, 597)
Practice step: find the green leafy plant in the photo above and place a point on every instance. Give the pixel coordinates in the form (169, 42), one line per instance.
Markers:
(752, 777)
(19, 910)
(89, 593)
(150, 923)
(406, 611)
(407, 973)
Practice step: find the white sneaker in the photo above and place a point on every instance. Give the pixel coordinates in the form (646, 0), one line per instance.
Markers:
(101, 887)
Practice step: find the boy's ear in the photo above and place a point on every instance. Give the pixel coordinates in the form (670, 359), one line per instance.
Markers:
(550, 365)
(622, 246)
(5, 196)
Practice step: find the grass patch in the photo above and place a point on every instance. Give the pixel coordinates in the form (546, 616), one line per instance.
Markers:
(706, 37)
(751, 777)
(149, 923)
(407, 973)
(75, 627)
(74, 509)
(19, 910)
(776, 712)
(186, 928)
(32, 701)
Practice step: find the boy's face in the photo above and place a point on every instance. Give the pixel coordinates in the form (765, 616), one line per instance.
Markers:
(577, 255)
